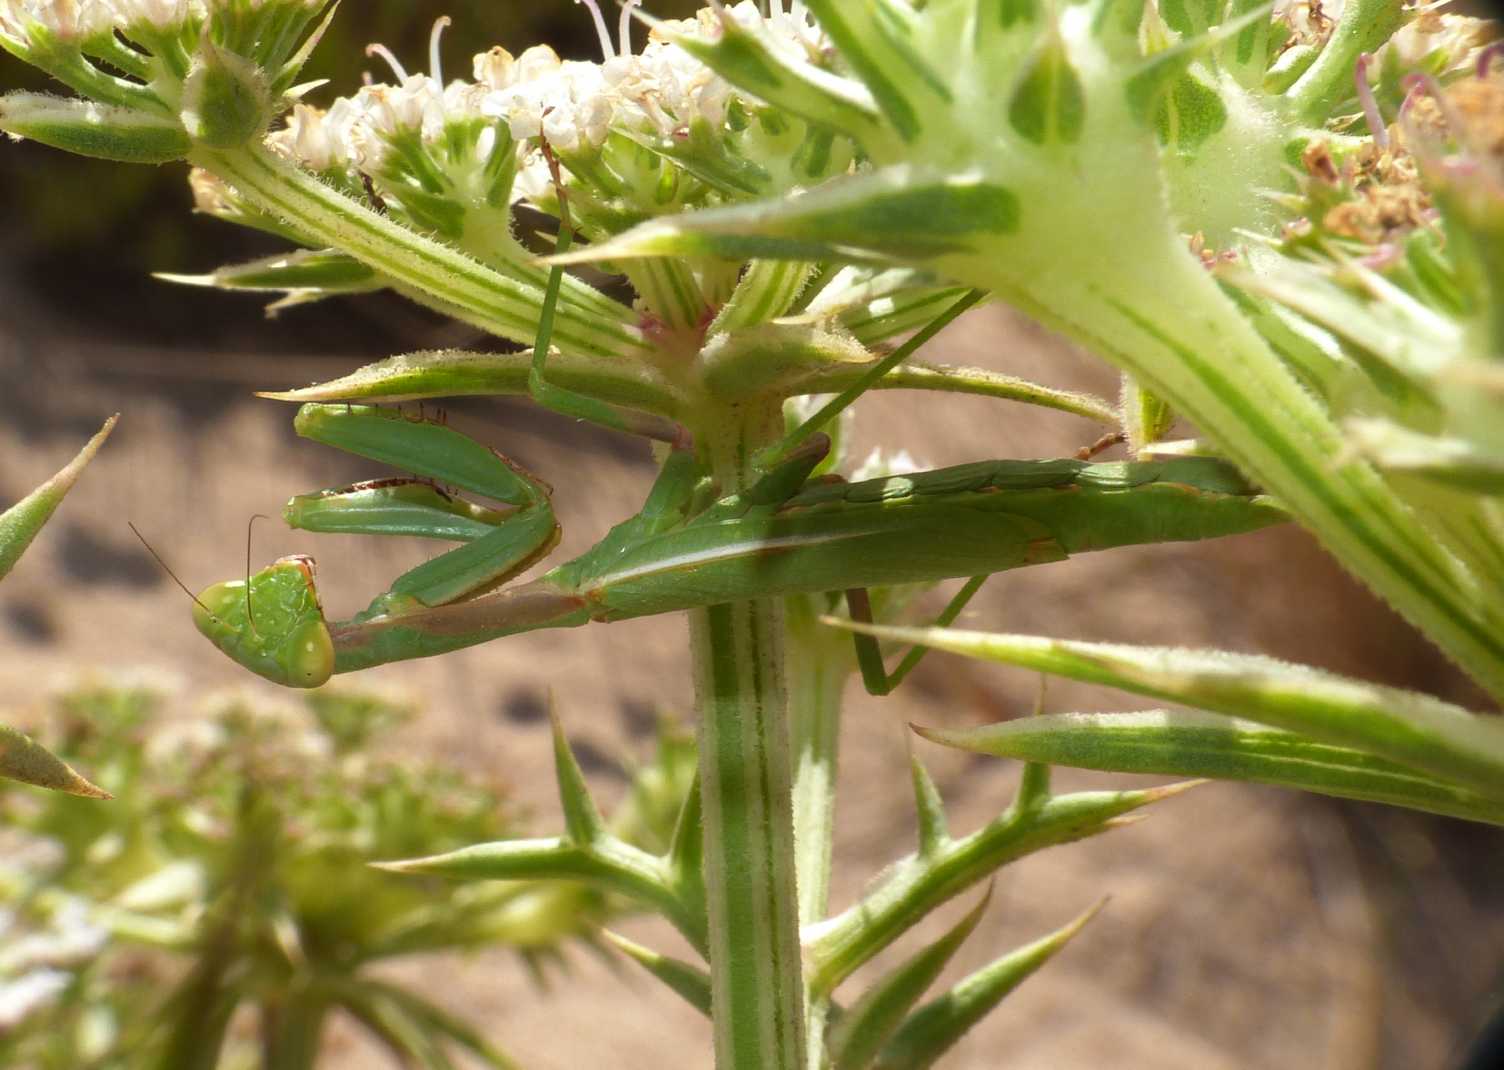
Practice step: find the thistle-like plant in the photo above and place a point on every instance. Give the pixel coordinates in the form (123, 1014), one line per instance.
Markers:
(221, 910)
(1186, 189)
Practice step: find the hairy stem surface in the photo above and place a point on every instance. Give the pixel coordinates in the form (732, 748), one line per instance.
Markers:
(738, 649)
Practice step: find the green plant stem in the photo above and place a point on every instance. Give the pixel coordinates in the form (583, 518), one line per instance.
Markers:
(419, 267)
(738, 652)
(818, 669)
(290, 1030)
(817, 673)
(1215, 369)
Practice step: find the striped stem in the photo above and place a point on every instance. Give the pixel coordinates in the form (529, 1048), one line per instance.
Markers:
(757, 987)
(426, 270)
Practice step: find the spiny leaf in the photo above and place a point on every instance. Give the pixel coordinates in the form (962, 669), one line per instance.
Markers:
(1208, 745)
(914, 886)
(20, 523)
(448, 373)
(27, 761)
(934, 1028)
(323, 270)
(917, 375)
(1457, 463)
(900, 214)
(1408, 728)
(860, 1033)
(687, 980)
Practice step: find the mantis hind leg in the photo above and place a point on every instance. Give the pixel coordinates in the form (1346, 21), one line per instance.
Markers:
(557, 398)
(869, 655)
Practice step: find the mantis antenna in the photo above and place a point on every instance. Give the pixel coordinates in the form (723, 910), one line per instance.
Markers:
(250, 526)
(165, 568)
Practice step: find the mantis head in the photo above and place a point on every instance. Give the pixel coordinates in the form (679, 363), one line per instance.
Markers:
(272, 624)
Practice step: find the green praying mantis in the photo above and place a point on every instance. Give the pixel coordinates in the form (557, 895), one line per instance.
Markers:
(687, 547)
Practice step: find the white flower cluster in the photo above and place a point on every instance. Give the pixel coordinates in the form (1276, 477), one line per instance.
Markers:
(575, 105)
(72, 20)
(356, 131)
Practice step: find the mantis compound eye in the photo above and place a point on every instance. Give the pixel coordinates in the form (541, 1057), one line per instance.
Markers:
(272, 625)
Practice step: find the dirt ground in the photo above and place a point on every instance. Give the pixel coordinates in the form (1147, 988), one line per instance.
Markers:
(1248, 928)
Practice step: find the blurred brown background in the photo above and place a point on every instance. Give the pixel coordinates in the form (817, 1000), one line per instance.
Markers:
(1248, 928)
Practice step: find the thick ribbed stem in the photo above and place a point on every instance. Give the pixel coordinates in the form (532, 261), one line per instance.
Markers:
(738, 649)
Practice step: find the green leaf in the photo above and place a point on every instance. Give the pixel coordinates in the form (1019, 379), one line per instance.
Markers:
(305, 269)
(901, 213)
(859, 1034)
(1411, 729)
(934, 1028)
(103, 131)
(917, 375)
(451, 373)
(27, 761)
(687, 980)
(1451, 462)
(20, 523)
(1175, 743)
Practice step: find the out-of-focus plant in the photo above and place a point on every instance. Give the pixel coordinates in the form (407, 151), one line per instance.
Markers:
(223, 908)
(20, 757)
(785, 192)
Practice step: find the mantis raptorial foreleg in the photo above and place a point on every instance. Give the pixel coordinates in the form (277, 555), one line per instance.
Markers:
(273, 624)
(869, 655)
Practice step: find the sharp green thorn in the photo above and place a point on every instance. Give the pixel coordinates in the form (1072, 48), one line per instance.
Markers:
(689, 981)
(582, 820)
(21, 522)
(934, 829)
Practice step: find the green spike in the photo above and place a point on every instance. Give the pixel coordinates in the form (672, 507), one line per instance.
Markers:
(582, 820)
(20, 523)
(860, 1033)
(687, 980)
(27, 761)
(934, 829)
(686, 852)
(931, 1030)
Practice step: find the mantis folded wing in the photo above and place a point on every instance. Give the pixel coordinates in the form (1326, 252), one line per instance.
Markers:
(782, 536)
